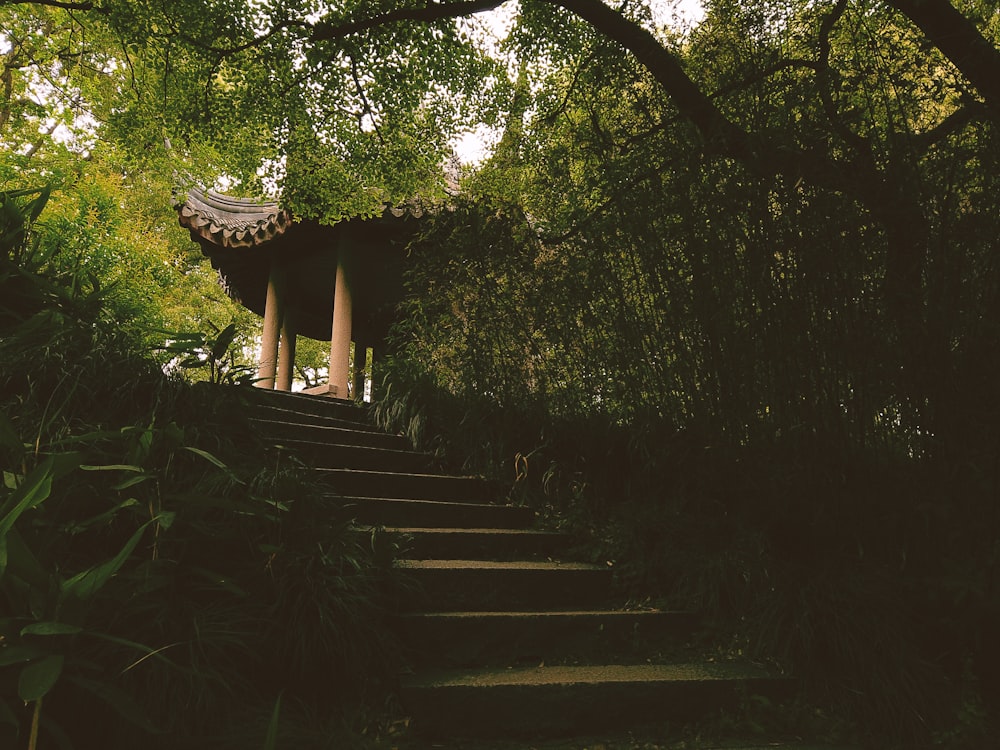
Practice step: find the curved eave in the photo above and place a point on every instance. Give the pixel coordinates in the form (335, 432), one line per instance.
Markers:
(226, 222)
(231, 222)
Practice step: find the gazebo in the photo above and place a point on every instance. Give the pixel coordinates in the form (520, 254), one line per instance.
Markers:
(337, 283)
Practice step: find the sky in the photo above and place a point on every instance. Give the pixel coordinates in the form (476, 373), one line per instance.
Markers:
(475, 146)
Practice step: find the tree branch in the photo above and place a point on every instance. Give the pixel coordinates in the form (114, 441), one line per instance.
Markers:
(958, 39)
(823, 79)
(366, 106)
(223, 52)
(954, 122)
(85, 5)
(722, 135)
(325, 30)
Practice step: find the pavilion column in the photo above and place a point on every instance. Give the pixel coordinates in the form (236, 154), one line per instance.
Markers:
(286, 354)
(360, 362)
(340, 339)
(273, 314)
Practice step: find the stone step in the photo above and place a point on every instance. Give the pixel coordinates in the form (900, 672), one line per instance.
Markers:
(281, 432)
(487, 585)
(363, 457)
(451, 543)
(319, 406)
(397, 485)
(651, 736)
(268, 413)
(401, 512)
(477, 639)
(567, 700)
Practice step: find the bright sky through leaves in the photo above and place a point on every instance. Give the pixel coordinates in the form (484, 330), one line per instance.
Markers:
(475, 145)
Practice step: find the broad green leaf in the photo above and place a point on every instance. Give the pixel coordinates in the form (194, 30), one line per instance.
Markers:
(85, 584)
(22, 563)
(122, 703)
(166, 519)
(102, 517)
(6, 715)
(65, 463)
(220, 580)
(38, 678)
(149, 653)
(8, 434)
(271, 739)
(50, 628)
(222, 342)
(36, 206)
(35, 488)
(132, 482)
(206, 455)
(19, 655)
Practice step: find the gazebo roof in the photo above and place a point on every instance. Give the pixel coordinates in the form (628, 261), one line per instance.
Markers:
(241, 238)
(231, 222)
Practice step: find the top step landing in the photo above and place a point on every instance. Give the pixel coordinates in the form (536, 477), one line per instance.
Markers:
(316, 406)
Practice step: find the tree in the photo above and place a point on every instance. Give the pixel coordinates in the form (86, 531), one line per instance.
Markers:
(347, 106)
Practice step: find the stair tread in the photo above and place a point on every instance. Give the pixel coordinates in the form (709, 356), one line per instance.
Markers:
(341, 426)
(495, 565)
(366, 448)
(549, 614)
(482, 531)
(589, 675)
(416, 501)
(403, 474)
(307, 419)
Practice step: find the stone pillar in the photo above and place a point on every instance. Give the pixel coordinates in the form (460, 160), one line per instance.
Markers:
(286, 355)
(273, 313)
(340, 339)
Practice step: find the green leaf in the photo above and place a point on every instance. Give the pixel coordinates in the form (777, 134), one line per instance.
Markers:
(8, 435)
(132, 482)
(223, 340)
(220, 580)
(166, 519)
(35, 488)
(22, 563)
(112, 467)
(122, 703)
(19, 655)
(87, 583)
(36, 206)
(271, 739)
(65, 463)
(38, 678)
(50, 628)
(207, 456)
(6, 715)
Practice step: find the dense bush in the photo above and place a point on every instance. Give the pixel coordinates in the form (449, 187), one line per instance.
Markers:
(165, 577)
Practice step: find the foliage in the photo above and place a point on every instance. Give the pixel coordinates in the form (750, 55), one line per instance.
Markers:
(766, 390)
(751, 268)
(158, 576)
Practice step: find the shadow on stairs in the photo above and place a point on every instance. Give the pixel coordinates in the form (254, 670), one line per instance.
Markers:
(508, 639)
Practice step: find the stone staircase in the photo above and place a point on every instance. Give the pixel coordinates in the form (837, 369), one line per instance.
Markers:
(506, 634)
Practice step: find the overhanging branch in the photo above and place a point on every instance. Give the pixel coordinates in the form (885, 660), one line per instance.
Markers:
(958, 39)
(85, 5)
(326, 30)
